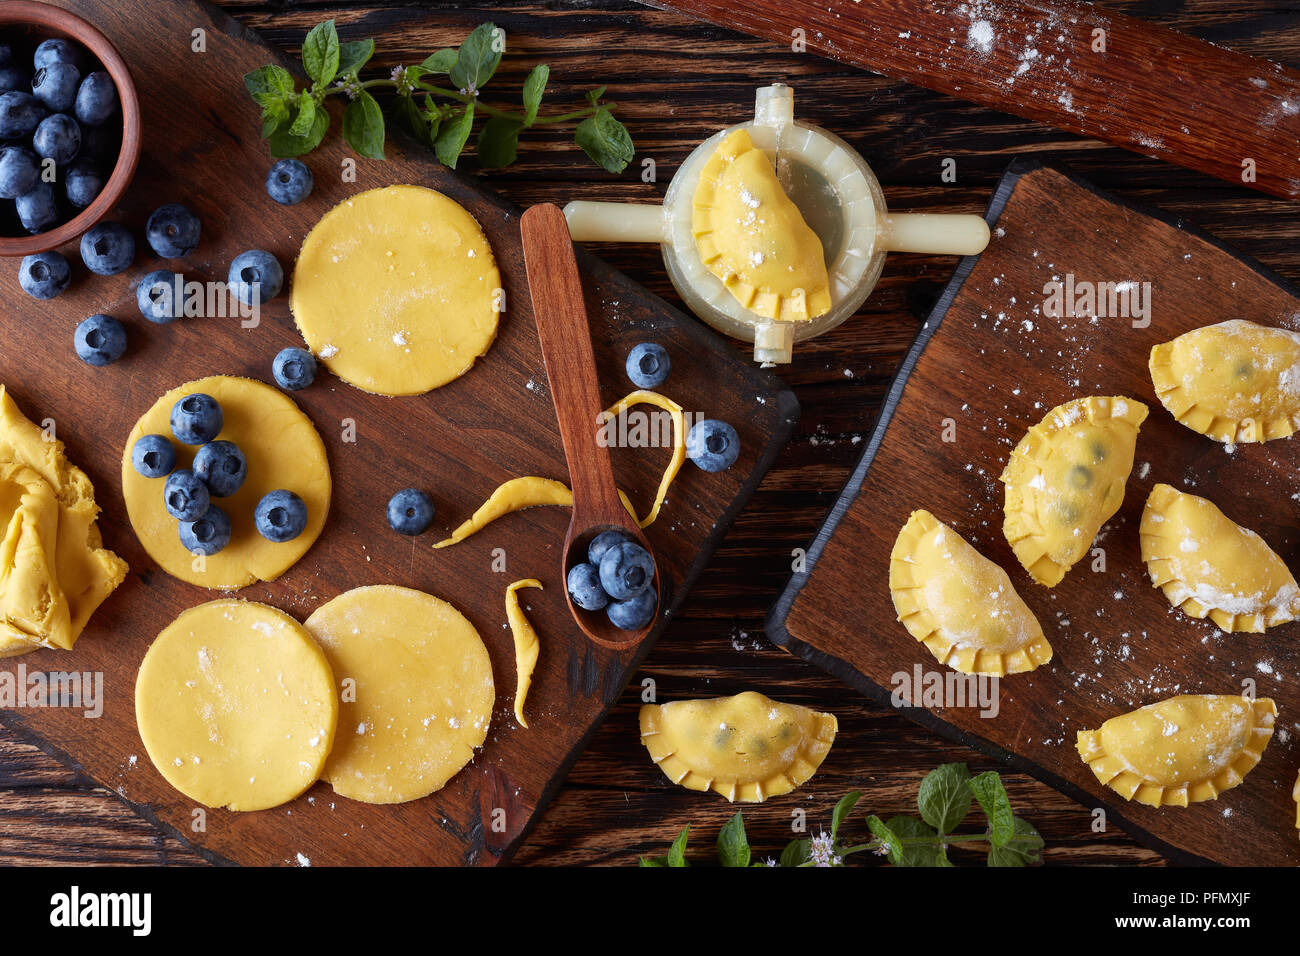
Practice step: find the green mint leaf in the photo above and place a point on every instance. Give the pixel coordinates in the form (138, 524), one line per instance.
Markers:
(653, 861)
(918, 843)
(941, 857)
(593, 96)
(320, 53)
(733, 845)
(534, 87)
(605, 140)
(268, 81)
(498, 142)
(796, 853)
(477, 58)
(306, 117)
(1021, 850)
(841, 812)
(995, 803)
(410, 118)
(285, 145)
(886, 836)
(677, 852)
(363, 126)
(452, 137)
(274, 116)
(353, 55)
(945, 797)
(440, 62)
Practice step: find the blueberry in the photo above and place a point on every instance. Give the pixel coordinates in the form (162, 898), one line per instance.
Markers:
(626, 570)
(185, 496)
(96, 99)
(197, 419)
(172, 231)
(280, 516)
(222, 466)
(56, 86)
(107, 248)
(44, 275)
(57, 50)
(37, 209)
(160, 296)
(58, 137)
(208, 535)
(82, 183)
(294, 368)
(602, 543)
(634, 613)
(410, 511)
(648, 365)
(153, 456)
(14, 78)
(100, 340)
(255, 276)
(713, 445)
(19, 114)
(20, 170)
(289, 182)
(584, 587)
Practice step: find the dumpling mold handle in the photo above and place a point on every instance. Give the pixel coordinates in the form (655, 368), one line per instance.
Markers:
(839, 197)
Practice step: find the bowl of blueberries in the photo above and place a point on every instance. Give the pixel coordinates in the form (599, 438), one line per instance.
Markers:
(69, 127)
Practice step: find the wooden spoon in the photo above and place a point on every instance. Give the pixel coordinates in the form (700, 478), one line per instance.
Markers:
(561, 315)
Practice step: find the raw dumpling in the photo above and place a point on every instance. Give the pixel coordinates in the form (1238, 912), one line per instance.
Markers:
(960, 604)
(746, 747)
(1212, 567)
(1235, 381)
(1181, 750)
(1066, 479)
(752, 237)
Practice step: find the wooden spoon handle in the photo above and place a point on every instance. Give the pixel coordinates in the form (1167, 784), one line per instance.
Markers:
(561, 315)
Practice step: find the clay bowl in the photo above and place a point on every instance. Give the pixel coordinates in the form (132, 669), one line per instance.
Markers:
(40, 21)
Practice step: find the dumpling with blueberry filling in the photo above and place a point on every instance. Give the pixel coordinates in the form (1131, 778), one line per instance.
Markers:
(961, 605)
(1066, 479)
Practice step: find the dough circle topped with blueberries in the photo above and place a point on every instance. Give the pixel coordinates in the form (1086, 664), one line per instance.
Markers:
(283, 450)
(396, 290)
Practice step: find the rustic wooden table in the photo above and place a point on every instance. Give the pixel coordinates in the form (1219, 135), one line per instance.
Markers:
(677, 81)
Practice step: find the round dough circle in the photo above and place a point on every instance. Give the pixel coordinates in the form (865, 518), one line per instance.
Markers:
(423, 692)
(396, 290)
(236, 705)
(283, 451)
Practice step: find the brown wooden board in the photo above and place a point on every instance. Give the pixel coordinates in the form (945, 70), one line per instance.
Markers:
(990, 362)
(459, 442)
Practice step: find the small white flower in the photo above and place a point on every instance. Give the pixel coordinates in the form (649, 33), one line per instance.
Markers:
(822, 851)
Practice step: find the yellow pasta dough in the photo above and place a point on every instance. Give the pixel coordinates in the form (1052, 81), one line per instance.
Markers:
(283, 451)
(1181, 750)
(1066, 479)
(417, 692)
(396, 290)
(752, 237)
(527, 646)
(1234, 382)
(961, 605)
(1210, 566)
(236, 705)
(1295, 794)
(746, 747)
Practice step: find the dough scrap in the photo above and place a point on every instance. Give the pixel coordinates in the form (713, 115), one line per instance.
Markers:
(961, 605)
(236, 705)
(752, 236)
(1066, 478)
(54, 570)
(645, 397)
(1234, 382)
(1210, 566)
(747, 747)
(423, 692)
(1295, 795)
(396, 290)
(1181, 750)
(283, 451)
(527, 647)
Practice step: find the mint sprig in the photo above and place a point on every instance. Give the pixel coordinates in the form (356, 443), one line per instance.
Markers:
(439, 117)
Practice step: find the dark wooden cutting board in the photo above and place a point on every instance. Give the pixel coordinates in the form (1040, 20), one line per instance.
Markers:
(201, 147)
(987, 361)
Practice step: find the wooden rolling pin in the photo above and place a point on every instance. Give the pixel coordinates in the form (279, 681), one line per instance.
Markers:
(1071, 65)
